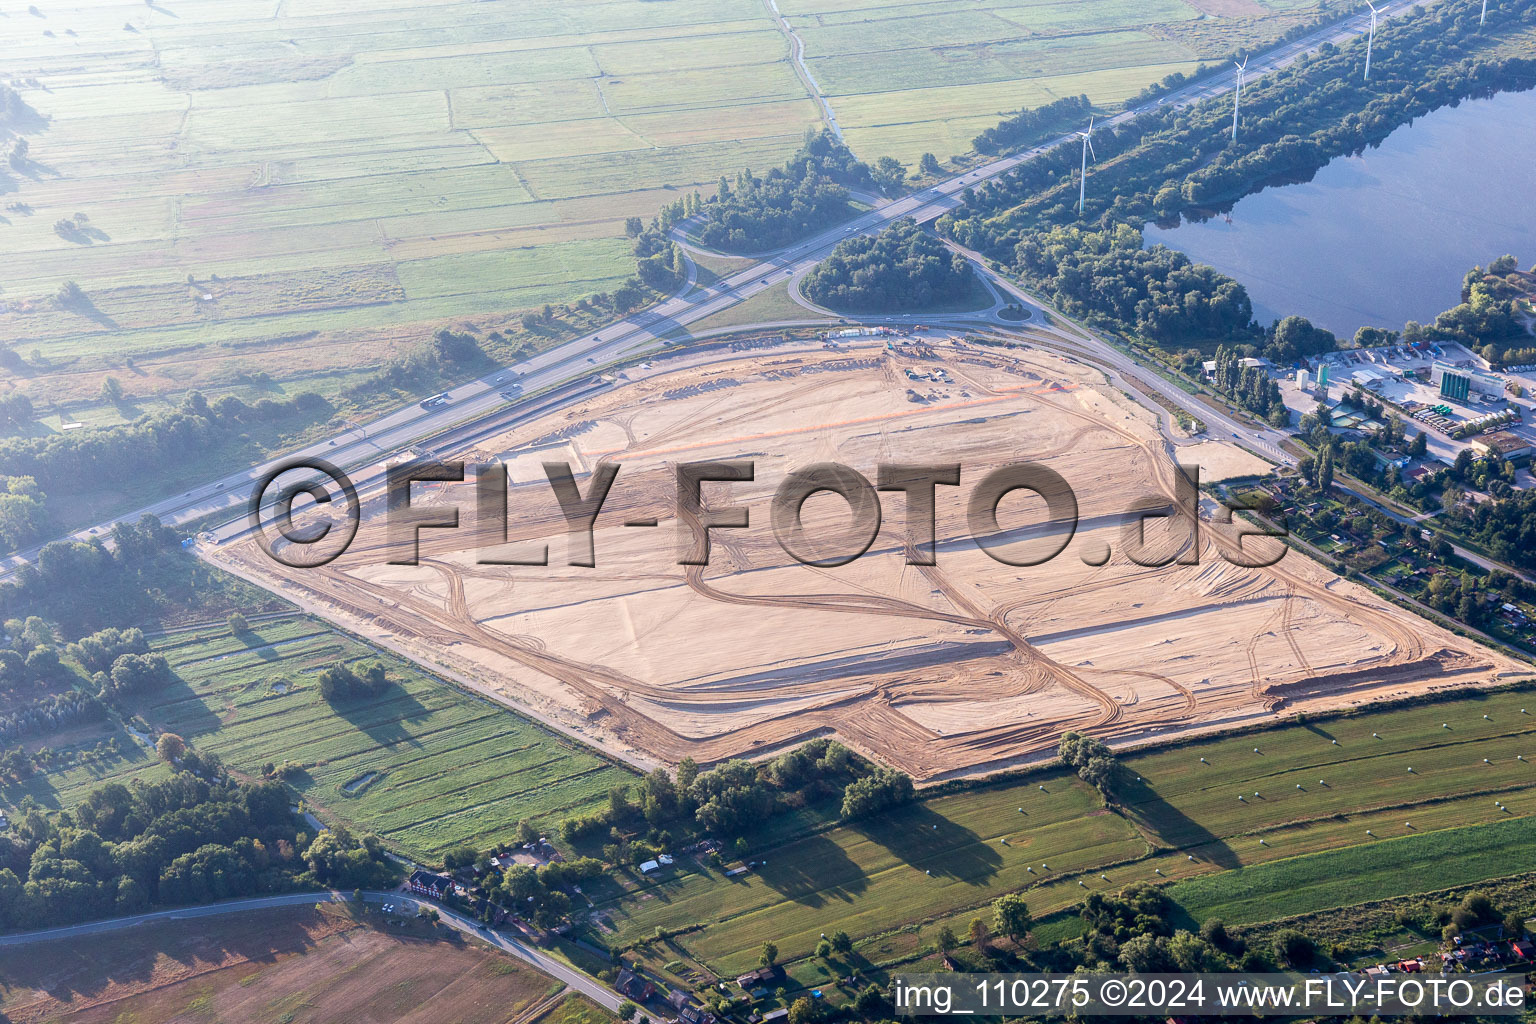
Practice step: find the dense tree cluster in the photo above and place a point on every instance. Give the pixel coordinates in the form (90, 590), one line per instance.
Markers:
(659, 263)
(341, 682)
(1250, 387)
(456, 347)
(16, 412)
(1093, 761)
(1493, 316)
(1109, 277)
(195, 837)
(784, 205)
(1295, 338)
(1031, 125)
(23, 511)
(29, 659)
(136, 673)
(1505, 527)
(78, 462)
(82, 585)
(97, 651)
(729, 801)
(880, 790)
(901, 268)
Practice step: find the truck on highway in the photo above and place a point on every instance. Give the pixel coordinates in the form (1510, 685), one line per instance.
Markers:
(435, 401)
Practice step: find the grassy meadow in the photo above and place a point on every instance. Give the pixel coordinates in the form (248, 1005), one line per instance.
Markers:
(302, 190)
(910, 78)
(1360, 827)
(279, 197)
(425, 767)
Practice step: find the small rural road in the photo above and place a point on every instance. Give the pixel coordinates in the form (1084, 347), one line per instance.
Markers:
(803, 70)
(557, 969)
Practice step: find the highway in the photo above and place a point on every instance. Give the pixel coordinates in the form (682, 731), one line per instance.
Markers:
(370, 443)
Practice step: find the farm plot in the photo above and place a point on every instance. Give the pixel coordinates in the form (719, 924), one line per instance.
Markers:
(905, 79)
(1361, 827)
(299, 964)
(425, 767)
(908, 865)
(332, 142)
(1360, 874)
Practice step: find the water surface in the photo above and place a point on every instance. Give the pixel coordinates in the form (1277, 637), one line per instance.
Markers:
(1386, 236)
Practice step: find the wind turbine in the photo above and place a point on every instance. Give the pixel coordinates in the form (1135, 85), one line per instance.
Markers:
(1370, 40)
(1082, 188)
(1237, 97)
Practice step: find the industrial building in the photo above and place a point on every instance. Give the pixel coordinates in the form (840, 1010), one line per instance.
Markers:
(1459, 383)
(1505, 445)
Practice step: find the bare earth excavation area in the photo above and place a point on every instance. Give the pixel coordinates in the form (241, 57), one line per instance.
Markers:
(955, 668)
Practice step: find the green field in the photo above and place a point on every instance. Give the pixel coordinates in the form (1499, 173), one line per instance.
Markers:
(340, 179)
(426, 767)
(1359, 874)
(282, 202)
(1284, 851)
(909, 78)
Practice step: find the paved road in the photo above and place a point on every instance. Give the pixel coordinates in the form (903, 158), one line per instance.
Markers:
(367, 444)
(530, 954)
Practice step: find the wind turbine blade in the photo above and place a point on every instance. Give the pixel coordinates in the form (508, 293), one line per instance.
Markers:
(1090, 149)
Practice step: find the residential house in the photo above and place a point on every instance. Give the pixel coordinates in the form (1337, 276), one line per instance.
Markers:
(433, 886)
(632, 986)
(760, 977)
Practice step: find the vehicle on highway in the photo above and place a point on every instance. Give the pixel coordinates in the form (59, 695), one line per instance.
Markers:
(435, 401)
(511, 392)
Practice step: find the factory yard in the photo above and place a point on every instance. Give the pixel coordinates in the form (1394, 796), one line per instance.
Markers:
(957, 668)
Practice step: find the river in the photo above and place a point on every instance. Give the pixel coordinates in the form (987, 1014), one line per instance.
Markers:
(1384, 237)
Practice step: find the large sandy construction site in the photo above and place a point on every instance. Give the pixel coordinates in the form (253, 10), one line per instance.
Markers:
(963, 666)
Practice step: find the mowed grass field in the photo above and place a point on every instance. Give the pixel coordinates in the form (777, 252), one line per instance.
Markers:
(1361, 827)
(929, 75)
(425, 767)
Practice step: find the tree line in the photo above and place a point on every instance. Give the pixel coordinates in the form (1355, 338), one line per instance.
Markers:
(733, 799)
(82, 461)
(1032, 125)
